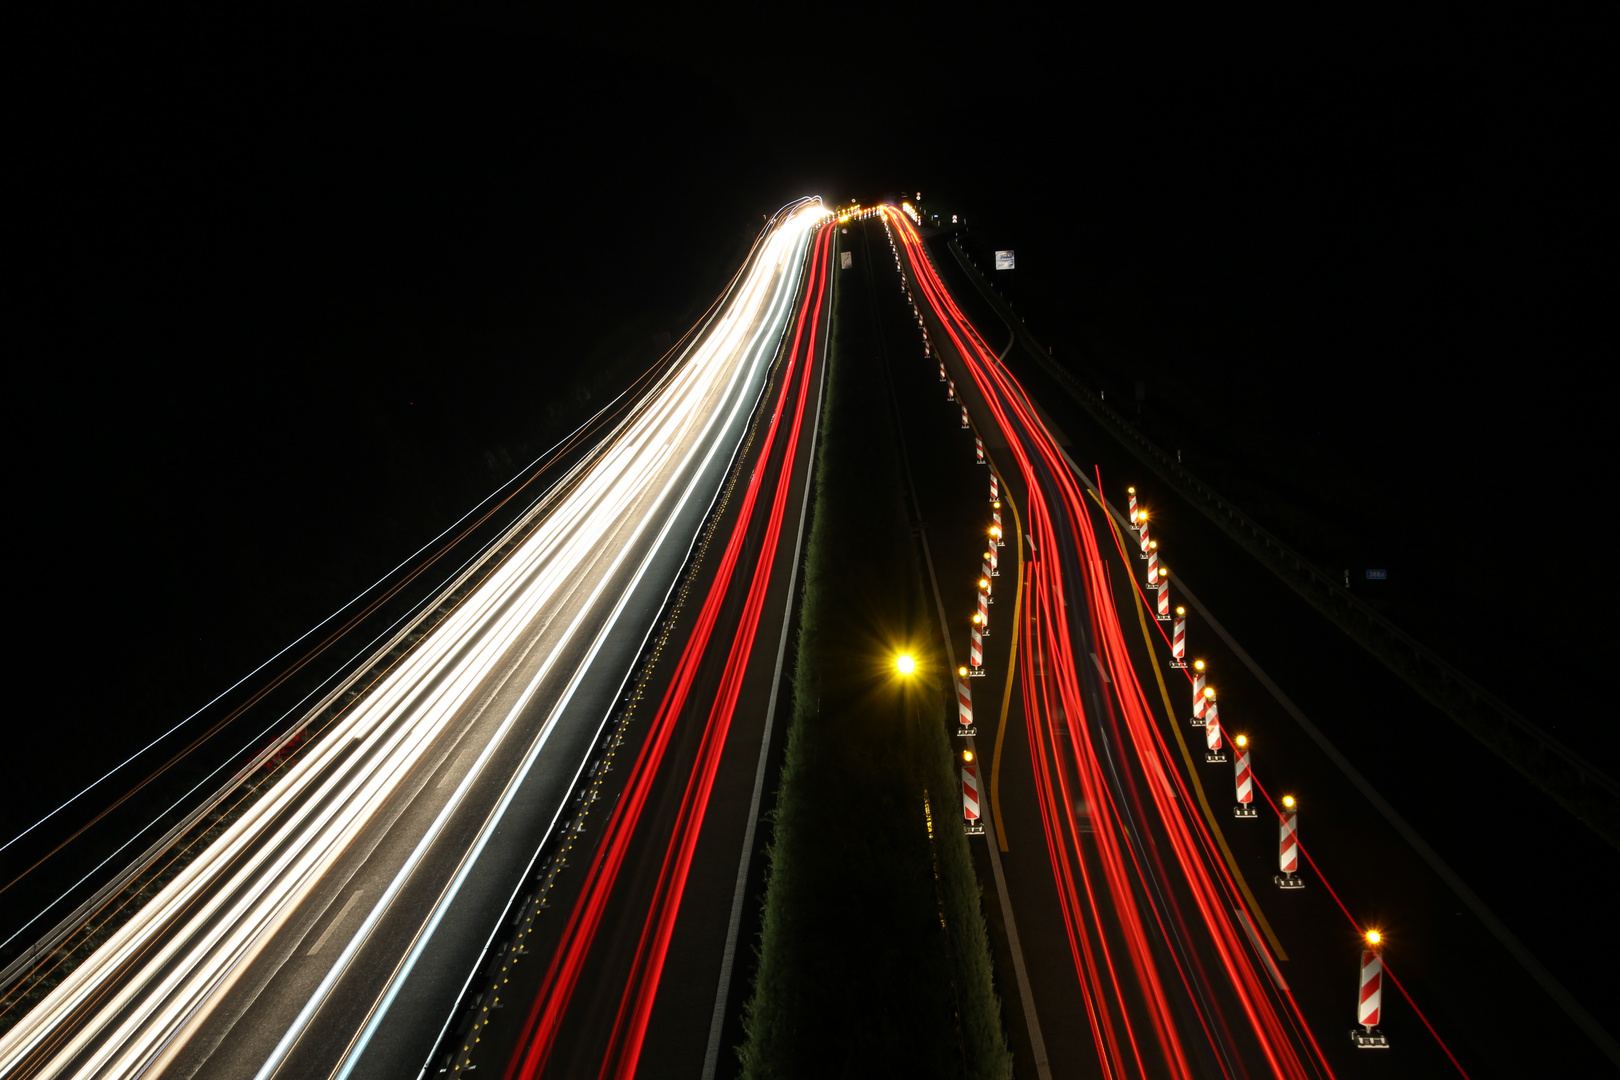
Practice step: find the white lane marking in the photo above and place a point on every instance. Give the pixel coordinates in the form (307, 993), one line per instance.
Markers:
(353, 900)
(454, 767)
(1100, 670)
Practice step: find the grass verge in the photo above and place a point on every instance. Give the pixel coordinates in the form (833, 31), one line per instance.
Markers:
(873, 956)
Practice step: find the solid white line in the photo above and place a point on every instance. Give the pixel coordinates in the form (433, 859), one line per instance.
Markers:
(451, 771)
(358, 893)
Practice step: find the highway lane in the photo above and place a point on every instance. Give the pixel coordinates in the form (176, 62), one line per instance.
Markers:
(1504, 839)
(251, 944)
(1459, 976)
(1169, 983)
(636, 960)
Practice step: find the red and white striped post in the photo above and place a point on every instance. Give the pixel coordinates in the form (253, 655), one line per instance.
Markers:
(984, 583)
(966, 424)
(1245, 779)
(1131, 494)
(950, 389)
(1142, 530)
(975, 655)
(1370, 1001)
(1288, 846)
(978, 446)
(1198, 693)
(964, 705)
(927, 350)
(1213, 747)
(990, 557)
(942, 376)
(995, 525)
(1153, 565)
(984, 614)
(1164, 595)
(995, 489)
(970, 796)
(1178, 641)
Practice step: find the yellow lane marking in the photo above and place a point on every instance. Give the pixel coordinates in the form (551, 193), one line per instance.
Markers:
(1186, 755)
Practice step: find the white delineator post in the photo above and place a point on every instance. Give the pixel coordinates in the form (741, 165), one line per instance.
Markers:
(970, 799)
(1198, 693)
(1212, 729)
(1178, 641)
(1288, 846)
(978, 446)
(1245, 779)
(1370, 1002)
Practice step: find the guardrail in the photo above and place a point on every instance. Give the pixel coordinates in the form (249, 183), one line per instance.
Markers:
(1580, 787)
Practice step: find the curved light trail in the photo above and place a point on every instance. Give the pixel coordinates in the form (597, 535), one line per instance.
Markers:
(536, 621)
(1171, 982)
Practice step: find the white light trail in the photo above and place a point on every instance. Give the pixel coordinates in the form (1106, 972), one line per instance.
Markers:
(131, 1005)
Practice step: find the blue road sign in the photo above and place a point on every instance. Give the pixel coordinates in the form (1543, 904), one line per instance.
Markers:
(1377, 575)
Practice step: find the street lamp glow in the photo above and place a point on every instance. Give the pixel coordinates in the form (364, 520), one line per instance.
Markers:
(905, 663)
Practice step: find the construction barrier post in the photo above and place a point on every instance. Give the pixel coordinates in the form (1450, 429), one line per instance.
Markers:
(978, 446)
(1153, 565)
(965, 422)
(1245, 779)
(1164, 595)
(976, 655)
(950, 389)
(995, 490)
(1142, 524)
(942, 376)
(970, 797)
(984, 583)
(983, 618)
(1198, 693)
(1130, 493)
(964, 705)
(1213, 753)
(1369, 1004)
(1178, 641)
(990, 557)
(1288, 846)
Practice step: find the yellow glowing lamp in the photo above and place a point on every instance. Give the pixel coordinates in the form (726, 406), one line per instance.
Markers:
(1179, 610)
(1130, 491)
(1209, 693)
(967, 755)
(1198, 665)
(1288, 801)
(1374, 937)
(976, 619)
(961, 671)
(1242, 740)
(997, 504)
(905, 664)
(984, 583)
(1141, 515)
(995, 530)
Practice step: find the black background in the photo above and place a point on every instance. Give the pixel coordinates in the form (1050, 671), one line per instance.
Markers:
(289, 297)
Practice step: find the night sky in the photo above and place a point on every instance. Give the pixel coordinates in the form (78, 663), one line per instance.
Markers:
(287, 300)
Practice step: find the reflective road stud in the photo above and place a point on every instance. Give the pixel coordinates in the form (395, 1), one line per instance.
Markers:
(1164, 595)
(1245, 780)
(979, 447)
(1212, 729)
(970, 796)
(1198, 694)
(976, 655)
(1370, 1002)
(1288, 846)
(1178, 640)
